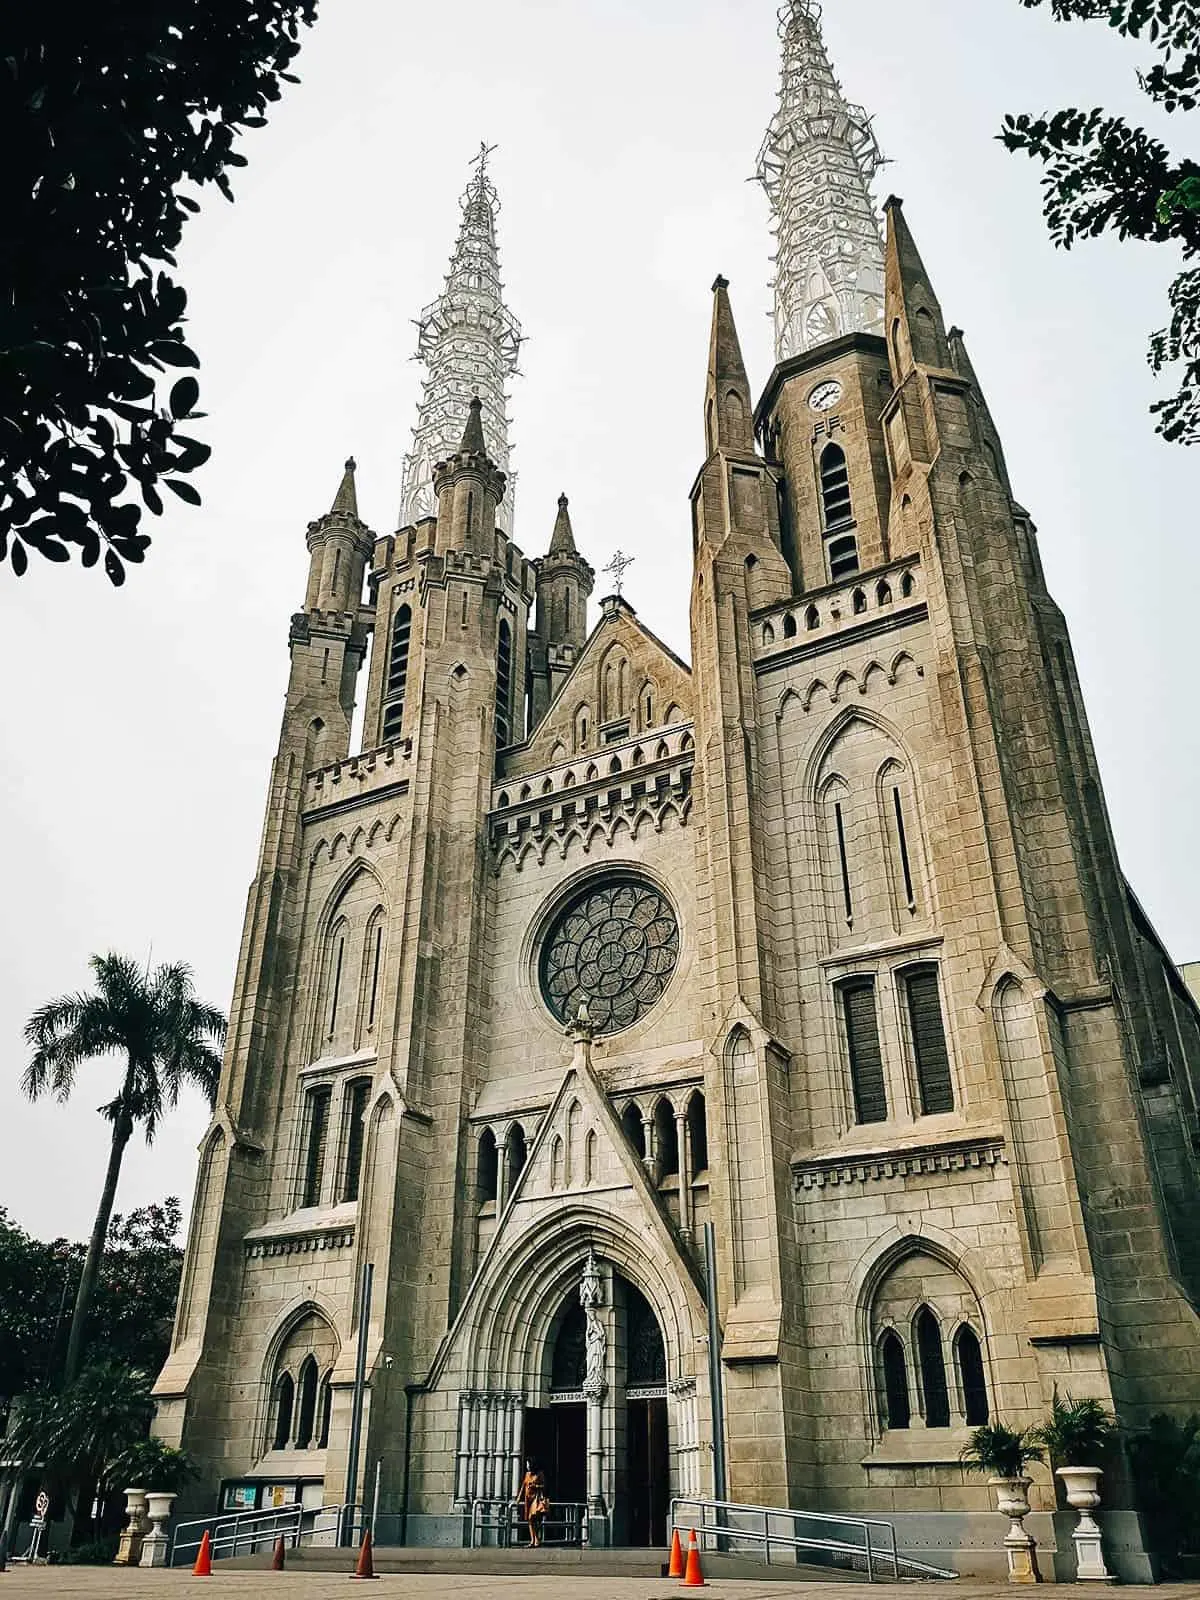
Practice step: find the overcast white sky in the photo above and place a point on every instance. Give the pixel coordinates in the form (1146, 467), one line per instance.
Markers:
(138, 727)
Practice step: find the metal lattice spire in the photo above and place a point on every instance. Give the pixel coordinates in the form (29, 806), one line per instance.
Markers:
(816, 164)
(469, 341)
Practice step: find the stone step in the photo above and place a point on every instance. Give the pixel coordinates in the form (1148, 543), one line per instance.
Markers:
(611, 1563)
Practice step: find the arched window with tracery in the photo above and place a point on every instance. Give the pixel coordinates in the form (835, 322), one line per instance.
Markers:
(923, 1315)
(645, 1354)
(569, 1361)
(299, 1415)
(869, 827)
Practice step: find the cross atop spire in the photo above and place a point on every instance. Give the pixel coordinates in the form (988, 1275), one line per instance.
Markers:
(469, 341)
(617, 567)
(816, 165)
(480, 160)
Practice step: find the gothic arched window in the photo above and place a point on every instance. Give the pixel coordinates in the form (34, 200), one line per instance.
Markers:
(355, 1136)
(894, 1370)
(285, 1391)
(697, 1126)
(666, 1139)
(489, 1168)
(372, 968)
(635, 1128)
(910, 1353)
(397, 678)
(316, 1135)
(972, 1382)
(841, 547)
(861, 1026)
(325, 1410)
(835, 486)
(927, 1040)
(306, 1422)
(931, 1361)
(516, 1152)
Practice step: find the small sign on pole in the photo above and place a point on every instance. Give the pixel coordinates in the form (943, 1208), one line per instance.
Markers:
(42, 1504)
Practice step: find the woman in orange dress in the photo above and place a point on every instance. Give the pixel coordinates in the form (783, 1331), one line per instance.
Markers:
(533, 1502)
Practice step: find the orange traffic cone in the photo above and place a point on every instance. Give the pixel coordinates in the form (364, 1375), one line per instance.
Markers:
(277, 1558)
(675, 1570)
(693, 1578)
(203, 1567)
(366, 1566)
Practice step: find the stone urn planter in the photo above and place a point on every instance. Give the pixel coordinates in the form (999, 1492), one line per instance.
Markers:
(1082, 1485)
(129, 1551)
(155, 1544)
(1012, 1501)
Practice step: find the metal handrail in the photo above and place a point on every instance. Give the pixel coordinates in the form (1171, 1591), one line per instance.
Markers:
(500, 1517)
(246, 1532)
(718, 1534)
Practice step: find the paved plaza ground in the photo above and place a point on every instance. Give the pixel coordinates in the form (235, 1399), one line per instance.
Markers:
(115, 1583)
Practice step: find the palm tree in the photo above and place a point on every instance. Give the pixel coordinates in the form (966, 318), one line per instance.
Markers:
(82, 1435)
(167, 1038)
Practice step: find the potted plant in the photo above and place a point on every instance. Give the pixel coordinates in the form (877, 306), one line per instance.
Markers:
(1079, 1435)
(163, 1471)
(1004, 1454)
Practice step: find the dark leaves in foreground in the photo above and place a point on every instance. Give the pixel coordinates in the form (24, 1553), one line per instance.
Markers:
(1102, 174)
(109, 116)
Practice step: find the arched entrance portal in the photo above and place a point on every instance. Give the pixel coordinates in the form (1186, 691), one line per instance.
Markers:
(647, 1442)
(634, 1416)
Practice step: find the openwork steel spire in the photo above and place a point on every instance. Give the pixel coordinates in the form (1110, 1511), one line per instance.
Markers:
(469, 341)
(816, 164)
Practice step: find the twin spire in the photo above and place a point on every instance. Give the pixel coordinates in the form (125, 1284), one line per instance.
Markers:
(816, 164)
(469, 341)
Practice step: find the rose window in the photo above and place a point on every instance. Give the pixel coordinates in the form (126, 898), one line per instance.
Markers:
(613, 948)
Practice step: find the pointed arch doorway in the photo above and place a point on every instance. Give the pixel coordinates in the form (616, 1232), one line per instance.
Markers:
(647, 1432)
(635, 1425)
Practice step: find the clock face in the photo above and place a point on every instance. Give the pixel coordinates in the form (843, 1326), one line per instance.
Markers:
(826, 395)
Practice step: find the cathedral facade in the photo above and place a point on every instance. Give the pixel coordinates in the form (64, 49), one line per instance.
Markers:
(822, 939)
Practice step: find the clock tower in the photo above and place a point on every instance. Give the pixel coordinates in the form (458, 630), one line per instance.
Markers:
(820, 422)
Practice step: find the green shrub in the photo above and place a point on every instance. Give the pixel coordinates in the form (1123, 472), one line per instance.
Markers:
(1166, 1473)
(96, 1553)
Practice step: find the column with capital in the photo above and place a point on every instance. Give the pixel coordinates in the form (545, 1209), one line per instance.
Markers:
(517, 1436)
(462, 1479)
(591, 1296)
(683, 1144)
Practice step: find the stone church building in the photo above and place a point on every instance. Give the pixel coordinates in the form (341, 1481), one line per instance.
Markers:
(822, 938)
